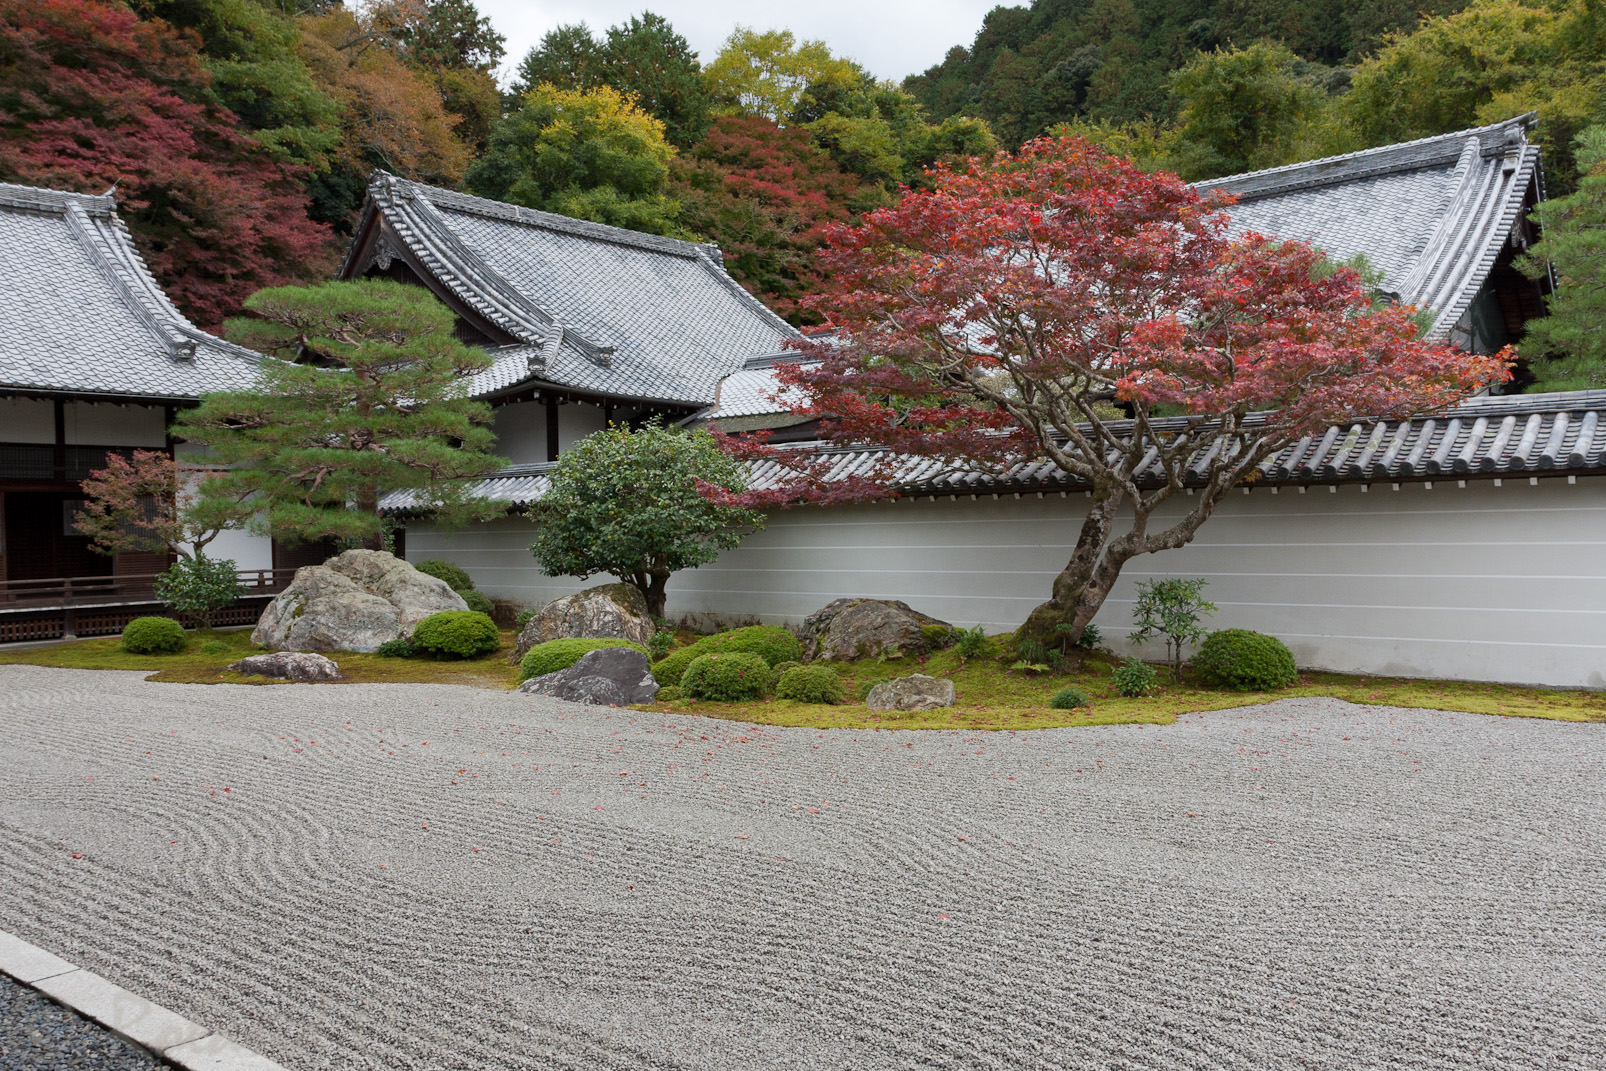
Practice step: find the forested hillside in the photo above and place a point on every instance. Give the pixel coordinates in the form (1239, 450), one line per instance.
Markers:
(1032, 67)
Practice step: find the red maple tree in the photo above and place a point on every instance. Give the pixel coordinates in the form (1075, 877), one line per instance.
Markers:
(1061, 306)
(764, 194)
(92, 96)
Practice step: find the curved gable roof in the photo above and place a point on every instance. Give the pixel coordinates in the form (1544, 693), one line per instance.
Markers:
(591, 307)
(81, 314)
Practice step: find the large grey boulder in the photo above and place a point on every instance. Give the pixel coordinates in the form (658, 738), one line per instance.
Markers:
(355, 601)
(914, 692)
(288, 665)
(609, 611)
(609, 677)
(849, 629)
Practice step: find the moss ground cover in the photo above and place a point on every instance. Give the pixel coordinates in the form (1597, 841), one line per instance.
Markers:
(990, 695)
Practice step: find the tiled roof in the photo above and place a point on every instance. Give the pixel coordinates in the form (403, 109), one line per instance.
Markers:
(80, 313)
(594, 308)
(1430, 214)
(1531, 434)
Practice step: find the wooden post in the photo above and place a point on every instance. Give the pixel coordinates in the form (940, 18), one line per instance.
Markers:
(58, 459)
(69, 625)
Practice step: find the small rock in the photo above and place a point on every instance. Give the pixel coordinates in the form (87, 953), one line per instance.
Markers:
(610, 677)
(914, 692)
(289, 665)
(608, 611)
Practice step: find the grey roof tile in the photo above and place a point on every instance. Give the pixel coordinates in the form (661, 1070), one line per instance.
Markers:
(80, 312)
(596, 308)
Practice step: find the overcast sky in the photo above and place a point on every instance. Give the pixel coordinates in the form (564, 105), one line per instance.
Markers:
(891, 38)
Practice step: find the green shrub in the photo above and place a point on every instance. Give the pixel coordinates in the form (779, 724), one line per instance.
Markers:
(668, 693)
(1134, 678)
(862, 689)
(726, 677)
(1068, 699)
(153, 635)
(198, 587)
(770, 642)
(402, 648)
(810, 684)
(478, 602)
(455, 576)
(456, 634)
(1245, 661)
(777, 670)
(553, 655)
(972, 642)
(524, 617)
(215, 647)
(938, 637)
(663, 641)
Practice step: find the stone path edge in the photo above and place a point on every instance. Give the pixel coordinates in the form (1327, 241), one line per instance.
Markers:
(169, 1035)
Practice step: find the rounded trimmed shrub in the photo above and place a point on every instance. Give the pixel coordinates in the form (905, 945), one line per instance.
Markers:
(1068, 699)
(456, 634)
(395, 649)
(770, 642)
(1245, 661)
(215, 647)
(153, 635)
(726, 677)
(668, 694)
(456, 578)
(1134, 677)
(479, 602)
(553, 655)
(810, 684)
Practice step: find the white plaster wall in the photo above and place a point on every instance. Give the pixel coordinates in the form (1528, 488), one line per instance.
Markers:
(1478, 583)
(27, 420)
(521, 432)
(106, 424)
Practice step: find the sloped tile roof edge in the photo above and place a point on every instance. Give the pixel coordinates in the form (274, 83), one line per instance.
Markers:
(469, 277)
(1555, 434)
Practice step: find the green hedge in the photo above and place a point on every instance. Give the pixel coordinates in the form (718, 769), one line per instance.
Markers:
(153, 635)
(479, 602)
(1245, 661)
(553, 655)
(456, 634)
(726, 677)
(810, 684)
(770, 642)
(455, 576)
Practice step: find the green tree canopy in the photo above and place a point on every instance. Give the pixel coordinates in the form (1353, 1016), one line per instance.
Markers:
(642, 57)
(627, 503)
(1241, 110)
(591, 154)
(1574, 245)
(773, 75)
(363, 395)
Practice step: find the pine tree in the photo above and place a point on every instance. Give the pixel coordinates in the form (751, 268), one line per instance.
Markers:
(1574, 332)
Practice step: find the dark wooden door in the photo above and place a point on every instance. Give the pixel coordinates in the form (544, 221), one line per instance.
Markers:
(40, 542)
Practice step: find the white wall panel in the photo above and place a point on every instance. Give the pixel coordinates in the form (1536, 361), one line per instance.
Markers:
(106, 424)
(27, 420)
(1481, 583)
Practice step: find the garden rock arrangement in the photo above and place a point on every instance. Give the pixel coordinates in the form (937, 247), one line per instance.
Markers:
(288, 665)
(610, 611)
(355, 601)
(915, 692)
(611, 676)
(850, 629)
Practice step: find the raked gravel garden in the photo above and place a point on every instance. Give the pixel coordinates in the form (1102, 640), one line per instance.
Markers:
(440, 876)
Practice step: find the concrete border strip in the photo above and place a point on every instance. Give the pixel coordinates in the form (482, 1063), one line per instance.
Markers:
(166, 1033)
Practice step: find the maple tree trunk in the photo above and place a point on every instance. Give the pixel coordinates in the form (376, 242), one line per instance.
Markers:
(652, 585)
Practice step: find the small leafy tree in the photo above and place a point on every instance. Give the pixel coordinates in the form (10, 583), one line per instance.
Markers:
(367, 398)
(149, 503)
(1173, 609)
(629, 503)
(199, 587)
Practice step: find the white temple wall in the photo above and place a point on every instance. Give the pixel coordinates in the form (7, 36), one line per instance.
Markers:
(1479, 582)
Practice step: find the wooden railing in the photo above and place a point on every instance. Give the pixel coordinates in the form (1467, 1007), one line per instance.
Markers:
(55, 607)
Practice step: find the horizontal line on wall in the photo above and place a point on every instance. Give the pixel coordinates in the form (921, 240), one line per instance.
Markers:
(1380, 607)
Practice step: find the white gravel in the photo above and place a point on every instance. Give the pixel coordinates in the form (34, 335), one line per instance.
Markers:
(400, 877)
